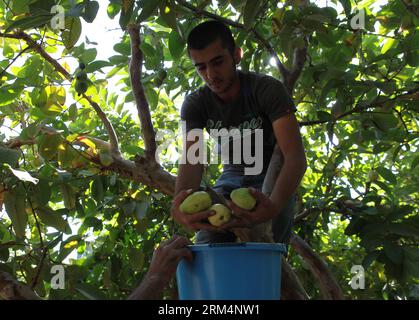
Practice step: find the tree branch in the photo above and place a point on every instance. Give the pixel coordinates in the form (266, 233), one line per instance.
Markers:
(413, 94)
(291, 287)
(11, 289)
(143, 171)
(299, 58)
(60, 69)
(411, 9)
(328, 285)
(13, 61)
(143, 109)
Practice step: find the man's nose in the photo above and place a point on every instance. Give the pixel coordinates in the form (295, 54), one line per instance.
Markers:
(210, 73)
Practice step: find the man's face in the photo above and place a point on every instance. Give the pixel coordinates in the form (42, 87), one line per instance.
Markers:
(216, 66)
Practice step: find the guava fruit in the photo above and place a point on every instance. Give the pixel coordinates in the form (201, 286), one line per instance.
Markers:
(81, 76)
(222, 215)
(81, 87)
(196, 202)
(242, 198)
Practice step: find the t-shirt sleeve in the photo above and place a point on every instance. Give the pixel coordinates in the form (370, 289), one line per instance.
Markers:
(274, 98)
(192, 114)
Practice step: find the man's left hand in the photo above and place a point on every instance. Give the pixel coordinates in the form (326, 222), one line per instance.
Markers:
(264, 211)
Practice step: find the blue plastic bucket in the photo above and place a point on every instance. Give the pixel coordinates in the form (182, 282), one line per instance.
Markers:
(231, 271)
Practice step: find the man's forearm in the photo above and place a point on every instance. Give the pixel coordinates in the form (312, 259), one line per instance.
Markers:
(151, 288)
(189, 176)
(288, 180)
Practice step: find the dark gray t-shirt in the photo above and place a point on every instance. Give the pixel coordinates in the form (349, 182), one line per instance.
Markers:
(262, 100)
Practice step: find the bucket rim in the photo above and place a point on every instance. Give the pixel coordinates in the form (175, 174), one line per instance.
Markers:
(239, 246)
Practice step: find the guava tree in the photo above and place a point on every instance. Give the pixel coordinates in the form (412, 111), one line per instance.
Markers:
(79, 176)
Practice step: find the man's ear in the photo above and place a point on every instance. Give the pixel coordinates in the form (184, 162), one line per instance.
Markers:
(238, 54)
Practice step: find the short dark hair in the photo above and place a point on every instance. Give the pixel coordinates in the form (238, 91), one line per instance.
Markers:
(209, 31)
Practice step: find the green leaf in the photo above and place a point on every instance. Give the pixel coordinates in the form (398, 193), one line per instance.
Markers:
(72, 32)
(126, 13)
(147, 49)
(66, 155)
(369, 258)
(123, 48)
(384, 186)
(31, 22)
(387, 174)
(404, 229)
(414, 163)
(9, 156)
(118, 59)
(141, 209)
(67, 247)
(42, 193)
(389, 42)
(9, 93)
(176, 45)
(39, 6)
(346, 4)
(53, 219)
(136, 258)
(97, 65)
(250, 11)
(98, 192)
(113, 9)
(381, 147)
(88, 56)
(393, 252)
(15, 204)
(168, 14)
(90, 11)
(411, 261)
(411, 253)
(412, 58)
(385, 122)
(69, 197)
(90, 292)
(4, 254)
(48, 145)
(152, 97)
(148, 8)
(23, 175)
(324, 116)
(129, 207)
(72, 112)
(20, 7)
(93, 222)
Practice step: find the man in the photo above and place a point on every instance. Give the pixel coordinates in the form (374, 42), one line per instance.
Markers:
(234, 99)
(162, 268)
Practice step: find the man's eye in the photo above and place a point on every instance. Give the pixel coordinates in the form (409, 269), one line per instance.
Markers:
(218, 62)
(201, 68)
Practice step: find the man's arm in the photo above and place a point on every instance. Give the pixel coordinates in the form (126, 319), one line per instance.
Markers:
(188, 180)
(288, 137)
(289, 140)
(189, 175)
(162, 268)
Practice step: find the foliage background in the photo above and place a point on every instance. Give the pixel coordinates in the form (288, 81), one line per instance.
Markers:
(357, 100)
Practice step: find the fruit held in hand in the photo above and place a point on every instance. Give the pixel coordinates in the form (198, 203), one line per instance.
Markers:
(222, 215)
(196, 202)
(242, 198)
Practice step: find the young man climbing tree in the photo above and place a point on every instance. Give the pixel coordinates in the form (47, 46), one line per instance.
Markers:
(251, 104)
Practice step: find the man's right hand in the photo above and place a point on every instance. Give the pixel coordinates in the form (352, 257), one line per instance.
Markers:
(196, 221)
